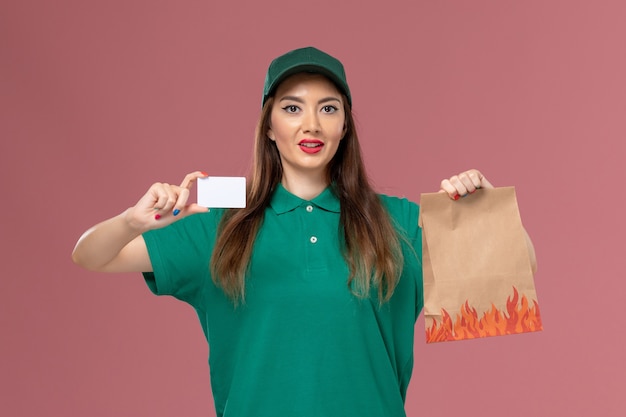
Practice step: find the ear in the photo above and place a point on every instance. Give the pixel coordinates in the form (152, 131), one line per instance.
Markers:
(270, 134)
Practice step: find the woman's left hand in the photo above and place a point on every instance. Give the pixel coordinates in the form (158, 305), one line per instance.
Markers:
(464, 183)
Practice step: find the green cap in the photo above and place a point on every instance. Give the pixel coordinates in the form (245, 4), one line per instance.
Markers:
(307, 59)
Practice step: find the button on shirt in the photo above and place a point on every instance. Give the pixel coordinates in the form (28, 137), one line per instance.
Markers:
(301, 237)
(302, 344)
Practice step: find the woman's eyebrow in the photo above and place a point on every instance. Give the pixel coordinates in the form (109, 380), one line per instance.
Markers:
(292, 98)
(300, 100)
(327, 99)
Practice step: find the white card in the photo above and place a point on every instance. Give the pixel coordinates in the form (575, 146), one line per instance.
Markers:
(222, 192)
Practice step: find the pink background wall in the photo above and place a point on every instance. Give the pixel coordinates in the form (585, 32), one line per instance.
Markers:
(100, 99)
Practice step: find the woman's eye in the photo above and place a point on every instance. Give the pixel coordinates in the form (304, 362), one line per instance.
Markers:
(329, 109)
(290, 108)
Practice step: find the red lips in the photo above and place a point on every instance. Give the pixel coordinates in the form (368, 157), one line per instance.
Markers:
(311, 145)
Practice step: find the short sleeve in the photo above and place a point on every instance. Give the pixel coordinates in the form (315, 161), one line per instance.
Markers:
(404, 214)
(180, 255)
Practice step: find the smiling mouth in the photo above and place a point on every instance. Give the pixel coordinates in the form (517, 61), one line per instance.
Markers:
(311, 146)
(311, 143)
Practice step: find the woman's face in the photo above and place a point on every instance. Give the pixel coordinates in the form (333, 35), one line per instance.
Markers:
(307, 123)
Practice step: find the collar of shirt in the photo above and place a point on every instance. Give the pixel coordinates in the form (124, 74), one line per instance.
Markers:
(283, 201)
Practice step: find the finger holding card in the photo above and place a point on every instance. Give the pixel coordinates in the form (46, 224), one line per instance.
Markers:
(181, 205)
(191, 178)
(163, 203)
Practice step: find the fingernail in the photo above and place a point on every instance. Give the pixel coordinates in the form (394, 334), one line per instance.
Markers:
(157, 216)
(456, 197)
(473, 191)
(176, 211)
(204, 173)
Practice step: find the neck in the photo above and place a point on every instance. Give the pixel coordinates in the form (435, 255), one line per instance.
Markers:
(306, 187)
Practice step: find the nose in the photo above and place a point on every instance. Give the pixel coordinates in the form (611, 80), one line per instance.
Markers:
(311, 122)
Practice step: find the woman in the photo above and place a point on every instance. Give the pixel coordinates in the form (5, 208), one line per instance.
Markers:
(308, 296)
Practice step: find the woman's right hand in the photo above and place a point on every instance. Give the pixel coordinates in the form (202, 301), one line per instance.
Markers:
(117, 244)
(163, 204)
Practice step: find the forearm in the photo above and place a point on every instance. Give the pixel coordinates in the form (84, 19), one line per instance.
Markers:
(102, 247)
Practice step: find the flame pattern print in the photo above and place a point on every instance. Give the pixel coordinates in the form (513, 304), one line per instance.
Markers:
(520, 317)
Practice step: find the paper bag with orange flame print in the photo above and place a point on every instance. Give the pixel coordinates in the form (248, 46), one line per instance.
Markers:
(478, 280)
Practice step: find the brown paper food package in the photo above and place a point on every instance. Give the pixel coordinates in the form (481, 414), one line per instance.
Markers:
(478, 280)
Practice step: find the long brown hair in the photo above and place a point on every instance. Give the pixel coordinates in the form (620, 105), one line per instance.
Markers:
(371, 244)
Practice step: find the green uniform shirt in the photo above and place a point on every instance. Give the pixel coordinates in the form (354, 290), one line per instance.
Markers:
(302, 345)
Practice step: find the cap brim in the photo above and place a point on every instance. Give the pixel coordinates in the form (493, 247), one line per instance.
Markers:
(308, 68)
